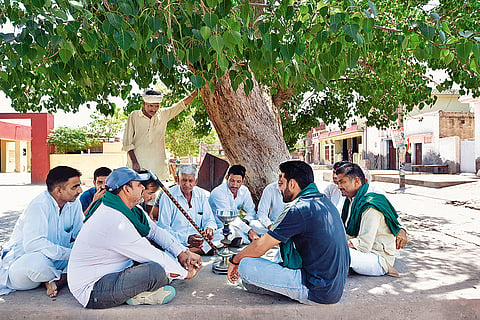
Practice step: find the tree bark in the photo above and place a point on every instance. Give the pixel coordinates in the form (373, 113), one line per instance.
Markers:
(248, 131)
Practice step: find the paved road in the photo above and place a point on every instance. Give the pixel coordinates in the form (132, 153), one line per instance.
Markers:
(439, 271)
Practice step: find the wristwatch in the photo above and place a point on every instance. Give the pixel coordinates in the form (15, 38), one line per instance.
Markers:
(231, 260)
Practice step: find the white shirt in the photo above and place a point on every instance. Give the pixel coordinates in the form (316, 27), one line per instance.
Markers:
(271, 204)
(108, 243)
(333, 193)
(146, 136)
(222, 198)
(171, 219)
(42, 228)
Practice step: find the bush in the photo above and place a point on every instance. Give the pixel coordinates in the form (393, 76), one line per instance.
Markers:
(70, 140)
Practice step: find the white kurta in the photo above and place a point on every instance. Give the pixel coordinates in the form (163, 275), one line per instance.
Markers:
(146, 136)
(42, 228)
(271, 205)
(109, 243)
(171, 219)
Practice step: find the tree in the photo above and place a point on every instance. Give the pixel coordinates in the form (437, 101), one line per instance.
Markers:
(253, 62)
(66, 139)
(106, 126)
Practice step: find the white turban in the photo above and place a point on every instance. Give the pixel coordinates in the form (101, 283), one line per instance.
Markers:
(152, 98)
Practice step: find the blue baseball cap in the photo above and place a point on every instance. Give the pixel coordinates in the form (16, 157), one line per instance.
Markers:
(122, 176)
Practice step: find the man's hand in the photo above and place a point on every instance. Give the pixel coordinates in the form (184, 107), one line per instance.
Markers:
(209, 233)
(190, 260)
(350, 245)
(270, 226)
(401, 239)
(252, 235)
(195, 240)
(232, 273)
(98, 194)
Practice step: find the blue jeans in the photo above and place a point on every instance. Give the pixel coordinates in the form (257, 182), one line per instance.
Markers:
(114, 289)
(260, 273)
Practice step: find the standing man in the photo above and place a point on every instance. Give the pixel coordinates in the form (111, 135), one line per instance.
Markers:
(371, 224)
(195, 203)
(144, 137)
(40, 245)
(102, 273)
(233, 195)
(313, 245)
(98, 189)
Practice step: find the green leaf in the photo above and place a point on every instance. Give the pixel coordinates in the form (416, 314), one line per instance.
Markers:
(217, 43)
(59, 13)
(38, 3)
(373, 8)
(211, 20)
(189, 7)
(197, 81)
(115, 20)
(211, 3)
(329, 71)
(427, 31)
(442, 36)
(368, 25)
(224, 8)
(270, 40)
(352, 58)
(351, 30)
(76, 4)
(154, 23)
(248, 86)
(65, 54)
(205, 31)
(107, 27)
(335, 49)
(264, 27)
(126, 8)
(124, 39)
(42, 40)
(435, 15)
(222, 62)
(168, 60)
(449, 58)
(194, 54)
(321, 37)
(463, 51)
(476, 50)
(466, 33)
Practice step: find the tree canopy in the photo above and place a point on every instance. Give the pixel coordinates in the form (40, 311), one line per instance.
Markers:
(351, 57)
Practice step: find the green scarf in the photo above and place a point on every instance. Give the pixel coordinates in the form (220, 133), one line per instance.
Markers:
(290, 256)
(364, 200)
(136, 215)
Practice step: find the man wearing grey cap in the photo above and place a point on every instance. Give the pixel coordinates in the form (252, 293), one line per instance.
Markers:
(144, 136)
(113, 261)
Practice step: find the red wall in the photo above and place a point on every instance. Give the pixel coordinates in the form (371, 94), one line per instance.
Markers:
(11, 131)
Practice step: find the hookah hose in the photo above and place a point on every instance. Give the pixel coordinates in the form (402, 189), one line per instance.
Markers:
(189, 219)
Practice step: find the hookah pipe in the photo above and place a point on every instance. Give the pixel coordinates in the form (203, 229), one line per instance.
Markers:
(189, 219)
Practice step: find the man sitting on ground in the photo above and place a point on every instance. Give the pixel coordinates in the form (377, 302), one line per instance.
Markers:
(233, 195)
(194, 201)
(151, 187)
(371, 224)
(40, 245)
(98, 189)
(313, 245)
(333, 193)
(102, 272)
(270, 207)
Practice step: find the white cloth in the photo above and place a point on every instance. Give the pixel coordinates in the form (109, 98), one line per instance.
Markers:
(109, 243)
(333, 193)
(171, 219)
(222, 198)
(367, 263)
(271, 204)
(42, 228)
(146, 136)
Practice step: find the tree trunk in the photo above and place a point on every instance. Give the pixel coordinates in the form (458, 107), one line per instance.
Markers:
(248, 131)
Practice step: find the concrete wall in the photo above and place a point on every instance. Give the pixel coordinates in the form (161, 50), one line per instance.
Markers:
(87, 163)
(449, 150)
(467, 156)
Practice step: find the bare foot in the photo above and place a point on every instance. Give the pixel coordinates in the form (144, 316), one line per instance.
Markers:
(55, 286)
(51, 289)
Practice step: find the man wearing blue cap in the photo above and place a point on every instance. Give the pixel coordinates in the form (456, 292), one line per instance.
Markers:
(102, 272)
